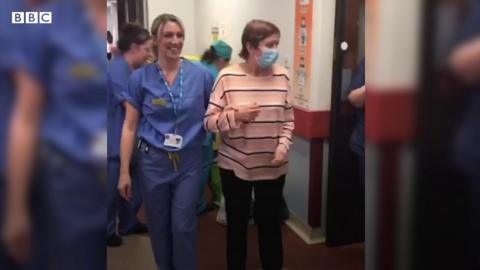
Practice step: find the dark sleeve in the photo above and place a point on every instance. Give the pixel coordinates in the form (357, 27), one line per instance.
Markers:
(470, 28)
(359, 79)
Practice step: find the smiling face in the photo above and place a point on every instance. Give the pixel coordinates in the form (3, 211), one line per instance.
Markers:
(170, 38)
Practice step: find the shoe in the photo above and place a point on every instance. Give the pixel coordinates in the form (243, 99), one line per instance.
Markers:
(221, 217)
(140, 229)
(114, 241)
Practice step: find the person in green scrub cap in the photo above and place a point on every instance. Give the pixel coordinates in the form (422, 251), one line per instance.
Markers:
(214, 59)
(217, 57)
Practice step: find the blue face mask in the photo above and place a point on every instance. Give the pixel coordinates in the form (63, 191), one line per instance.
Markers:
(268, 58)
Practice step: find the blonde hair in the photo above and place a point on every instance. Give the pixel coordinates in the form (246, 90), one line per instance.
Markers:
(158, 24)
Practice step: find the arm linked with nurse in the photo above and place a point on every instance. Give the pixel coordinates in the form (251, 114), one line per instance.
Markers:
(221, 116)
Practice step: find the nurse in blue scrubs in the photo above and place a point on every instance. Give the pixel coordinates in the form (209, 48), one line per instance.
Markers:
(464, 62)
(163, 122)
(6, 101)
(134, 45)
(12, 59)
(58, 145)
(356, 96)
(214, 59)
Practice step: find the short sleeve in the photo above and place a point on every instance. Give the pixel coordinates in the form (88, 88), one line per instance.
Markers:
(117, 87)
(470, 28)
(133, 95)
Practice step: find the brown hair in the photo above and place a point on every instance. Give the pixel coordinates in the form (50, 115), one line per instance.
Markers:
(132, 34)
(159, 22)
(254, 32)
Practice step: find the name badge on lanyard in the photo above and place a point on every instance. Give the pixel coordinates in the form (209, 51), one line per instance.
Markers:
(173, 139)
(99, 145)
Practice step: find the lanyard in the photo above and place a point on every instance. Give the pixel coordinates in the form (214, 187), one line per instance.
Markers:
(176, 102)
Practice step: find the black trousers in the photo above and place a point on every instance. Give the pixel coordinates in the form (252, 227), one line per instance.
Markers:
(268, 203)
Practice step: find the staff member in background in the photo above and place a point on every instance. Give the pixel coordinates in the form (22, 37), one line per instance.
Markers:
(166, 102)
(6, 102)
(134, 45)
(251, 107)
(465, 63)
(59, 126)
(214, 59)
(357, 99)
(11, 60)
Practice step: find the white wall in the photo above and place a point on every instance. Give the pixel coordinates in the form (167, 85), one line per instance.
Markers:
(298, 179)
(112, 20)
(322, 53)
(393, 64)
(231, 16)
(185, 10)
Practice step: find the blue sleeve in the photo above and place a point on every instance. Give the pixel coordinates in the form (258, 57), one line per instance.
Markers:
(10, 39)
(37, 55)
(208, 82)
(37, 44)
(471, 26)
(359, 79)
(22, 48)
(11, 54)
(117, 87)
(133, 95)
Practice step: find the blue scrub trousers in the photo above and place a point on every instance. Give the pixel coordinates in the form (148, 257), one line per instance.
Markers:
(5, 260)
(126, 211)
(69, 213)
(207, 151)
(171, 198)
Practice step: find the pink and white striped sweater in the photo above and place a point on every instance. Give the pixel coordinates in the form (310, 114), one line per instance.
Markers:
(248, 148)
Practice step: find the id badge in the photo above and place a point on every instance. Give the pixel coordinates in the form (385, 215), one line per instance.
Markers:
(99, 145)
(173, 140)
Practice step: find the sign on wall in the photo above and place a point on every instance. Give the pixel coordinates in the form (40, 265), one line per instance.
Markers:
(303, 52)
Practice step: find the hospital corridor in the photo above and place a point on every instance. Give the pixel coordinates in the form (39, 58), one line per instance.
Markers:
(239, 135)
(136, 252)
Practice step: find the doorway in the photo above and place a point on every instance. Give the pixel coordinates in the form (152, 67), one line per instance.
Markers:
(345, 196)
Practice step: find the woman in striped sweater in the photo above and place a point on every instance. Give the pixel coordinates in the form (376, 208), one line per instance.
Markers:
(251, 108)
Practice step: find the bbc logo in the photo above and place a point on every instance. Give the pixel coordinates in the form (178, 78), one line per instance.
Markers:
(31, 17)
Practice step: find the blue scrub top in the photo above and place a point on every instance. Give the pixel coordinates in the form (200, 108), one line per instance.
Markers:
(117, 84)
(357, 142)
(68, 58)
(467, 152)
(212, 69)
(6, 102)
(148, 94)
(214, 72)
(471, 25)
